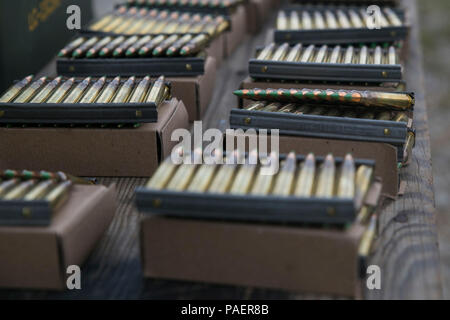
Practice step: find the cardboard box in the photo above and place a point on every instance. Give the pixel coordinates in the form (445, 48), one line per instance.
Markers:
(195, 92)
(216, 49)
(289, 257)
(277, 257)
(38, 257)
(94, 152)
(257, 13)
(238, 31)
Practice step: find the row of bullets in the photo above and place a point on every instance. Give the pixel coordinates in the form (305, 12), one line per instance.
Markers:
(50, 190)
(328, 54)
(59, 90)
(41, 175)
(132, 21)
(214, 4)
(295, 178)
(322, 110)
(374, 99)
(136, 46)
(335, 19)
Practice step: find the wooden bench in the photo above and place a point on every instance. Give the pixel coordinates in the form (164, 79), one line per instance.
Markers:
(406, 248)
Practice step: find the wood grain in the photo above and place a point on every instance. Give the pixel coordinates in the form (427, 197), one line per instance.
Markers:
(406, 248)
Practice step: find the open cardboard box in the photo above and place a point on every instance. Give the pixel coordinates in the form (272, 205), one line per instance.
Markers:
(294, 258)
(195, 92)
(37, 257)
(94, 152)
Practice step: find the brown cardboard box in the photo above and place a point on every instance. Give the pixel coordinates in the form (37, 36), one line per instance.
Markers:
(277, 257)
(385, 155)
(217, 49)
(94, 152)
(238, 30)
(257, 13)
(195, 92)
(37, 257)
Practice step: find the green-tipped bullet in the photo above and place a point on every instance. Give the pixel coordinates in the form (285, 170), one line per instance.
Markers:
(30, 91)
(107, 50)
(93, 91)
(92, 52)
(61, 92)
(346, 186)
(325, 185)
(67, 50)
(46, 91)
(81, 50)
(15, 90)
(124, 91)
(284, 182)
(306, 175)
(195, 45)
(109, 91)
(141, 90)
(134, 49)
(120, 50)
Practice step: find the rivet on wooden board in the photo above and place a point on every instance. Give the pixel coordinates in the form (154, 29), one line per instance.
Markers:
(156, 203)
(387, 132)
(248, 120)
(264, 69)
(26, 212)
(71, 68)
(331, 211)
(384, 74)
(138, 114)
(188, 66)
(2, 113)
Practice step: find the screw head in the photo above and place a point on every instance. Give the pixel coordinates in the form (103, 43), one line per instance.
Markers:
(188, 66)
(248, 120)
(264, 69)
(331, 211)
(387, 132)
(138, 114)
(26, 212)
(156, 203)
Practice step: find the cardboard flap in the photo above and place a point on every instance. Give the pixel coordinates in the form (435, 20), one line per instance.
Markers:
(178, 118)
(82, 220)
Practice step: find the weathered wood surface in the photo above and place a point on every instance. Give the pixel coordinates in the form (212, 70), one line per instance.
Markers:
(406, 248)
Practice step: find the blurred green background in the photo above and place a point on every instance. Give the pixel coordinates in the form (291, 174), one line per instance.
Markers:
(435, 28)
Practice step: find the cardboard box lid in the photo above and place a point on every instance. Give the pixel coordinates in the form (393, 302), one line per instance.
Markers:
(36, 257)
(94, 152)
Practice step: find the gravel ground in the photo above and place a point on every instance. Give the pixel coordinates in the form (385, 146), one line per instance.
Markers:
(435, 27)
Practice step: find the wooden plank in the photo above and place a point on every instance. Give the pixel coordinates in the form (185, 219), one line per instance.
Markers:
(407, 245)
(406, 249)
